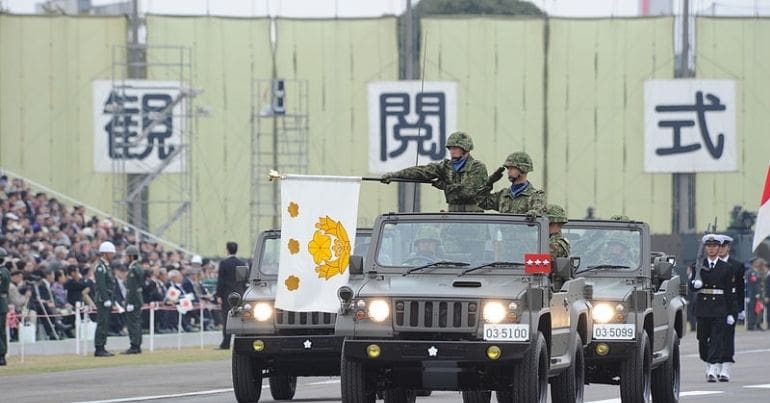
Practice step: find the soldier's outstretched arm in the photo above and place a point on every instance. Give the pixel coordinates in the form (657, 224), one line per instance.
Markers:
(486, 200)
(421, 172)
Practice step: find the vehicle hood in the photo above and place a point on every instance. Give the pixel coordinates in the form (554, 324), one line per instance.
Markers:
(265, 290)
(609, 289)
(434, 286)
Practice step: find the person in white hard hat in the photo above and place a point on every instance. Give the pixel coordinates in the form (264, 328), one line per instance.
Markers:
(105, 284)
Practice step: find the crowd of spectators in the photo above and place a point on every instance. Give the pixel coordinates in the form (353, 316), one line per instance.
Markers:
(52, 253)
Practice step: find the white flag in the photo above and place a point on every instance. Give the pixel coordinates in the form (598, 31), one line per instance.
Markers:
(762, 229)
(318, 231)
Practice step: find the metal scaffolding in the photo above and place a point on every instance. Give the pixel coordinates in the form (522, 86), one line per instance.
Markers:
(153, 194)
(279, 141)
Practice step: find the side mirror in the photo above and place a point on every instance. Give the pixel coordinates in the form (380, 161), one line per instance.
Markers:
(241, 274)
(234, 299)
(663, 270)
(356, 264)
(563, 268)
(574, 262)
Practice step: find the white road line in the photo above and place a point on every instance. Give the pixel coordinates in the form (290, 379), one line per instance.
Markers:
(765, 386)
(692, 393)
(157, 397)
(329, 382)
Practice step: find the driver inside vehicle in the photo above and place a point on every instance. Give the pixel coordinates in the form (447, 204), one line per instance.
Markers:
(427, 246)
(618, 251)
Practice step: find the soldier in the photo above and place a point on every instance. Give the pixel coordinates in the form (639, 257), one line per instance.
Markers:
(134, 300)
(105, 286)
(521, 197)
(5, 282)
(714, 307)
(756, 294)
(426, 246)
(738, 290)
(559, 245)
(459, 177)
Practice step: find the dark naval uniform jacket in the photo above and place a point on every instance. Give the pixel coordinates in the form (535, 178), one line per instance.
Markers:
(715, 298)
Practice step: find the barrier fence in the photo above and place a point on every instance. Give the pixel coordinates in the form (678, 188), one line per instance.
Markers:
(85, 328)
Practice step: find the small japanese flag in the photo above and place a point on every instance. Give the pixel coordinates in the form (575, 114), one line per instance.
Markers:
(172, 294)
(185, 305)
(762, 230)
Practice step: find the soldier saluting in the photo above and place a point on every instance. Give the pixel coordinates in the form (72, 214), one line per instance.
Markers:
(105, 286)
(134, 300)
(714, 305)
(521, 197)
(459, 177)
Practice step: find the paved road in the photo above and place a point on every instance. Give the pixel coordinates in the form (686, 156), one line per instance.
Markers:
(210, 382)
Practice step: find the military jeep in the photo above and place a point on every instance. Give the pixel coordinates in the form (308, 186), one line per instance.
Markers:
(446, 303)
(638, 312)
(281, 345)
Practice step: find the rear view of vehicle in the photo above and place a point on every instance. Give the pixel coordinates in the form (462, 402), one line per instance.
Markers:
(281, 345)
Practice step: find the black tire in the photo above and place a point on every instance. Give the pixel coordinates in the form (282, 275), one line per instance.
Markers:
(354, 385)
(568, 386)
(530, 376)
(666, 378)
(283, 387)
(423, 392)
(247, 378)
(399, 395)
(474, 396)
(636, 374)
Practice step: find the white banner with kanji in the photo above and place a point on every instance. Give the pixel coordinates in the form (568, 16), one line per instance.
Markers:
(318, 232)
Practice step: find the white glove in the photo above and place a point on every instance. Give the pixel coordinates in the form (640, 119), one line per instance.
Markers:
(730, 320)
(129, 308)
(697, 284)
(107, 304)
(741, 315)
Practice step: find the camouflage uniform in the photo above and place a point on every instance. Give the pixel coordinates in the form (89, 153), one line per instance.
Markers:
(460, 186)
(531, 201)
(558, 244)
(5, 282)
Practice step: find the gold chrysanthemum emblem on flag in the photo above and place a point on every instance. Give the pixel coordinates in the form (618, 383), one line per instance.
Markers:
(330, 248)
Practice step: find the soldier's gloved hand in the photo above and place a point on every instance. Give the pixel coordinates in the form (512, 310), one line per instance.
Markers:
(532, 214)
(496, 176)
(741, 315)
(107, 304)
(484, 189)
(697, 284)
(129, 308)
(438, 184)
(730, 320)
(386, 178)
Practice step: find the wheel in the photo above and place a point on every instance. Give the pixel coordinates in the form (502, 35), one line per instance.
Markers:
(635, 374)
(247, 378)
(530, 376)
(423, 392)
(477, 396)
(354, 383)
(283, 387)
(398, 395)
(568, 386)
(666, 378)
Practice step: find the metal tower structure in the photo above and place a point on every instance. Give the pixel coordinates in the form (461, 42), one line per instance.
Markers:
(152, 109)
(279, 141)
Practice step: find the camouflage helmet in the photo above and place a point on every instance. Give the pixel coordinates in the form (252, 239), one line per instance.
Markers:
(132, 251)
(520, 160)
(428, 233)
(556, 214)
(460, 139)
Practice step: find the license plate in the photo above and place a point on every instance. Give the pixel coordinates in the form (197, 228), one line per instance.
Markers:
(506, 332)
(620, 331)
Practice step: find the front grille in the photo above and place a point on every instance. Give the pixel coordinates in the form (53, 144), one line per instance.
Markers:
(291, 319)
(415, 315)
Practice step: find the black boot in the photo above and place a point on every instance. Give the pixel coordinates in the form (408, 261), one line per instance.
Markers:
(134, 349)
(102, 352)
(2, 361)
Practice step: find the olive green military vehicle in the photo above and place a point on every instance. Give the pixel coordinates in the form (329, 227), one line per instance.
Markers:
(638, 310)
(446, 303)
(269, 342)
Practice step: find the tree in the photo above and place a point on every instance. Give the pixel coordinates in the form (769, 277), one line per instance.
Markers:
(476, 7)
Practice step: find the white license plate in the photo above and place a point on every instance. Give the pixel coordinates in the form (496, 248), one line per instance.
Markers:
(507, 332)
(620, 331)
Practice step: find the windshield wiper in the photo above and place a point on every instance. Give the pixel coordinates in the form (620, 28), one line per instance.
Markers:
(603, 267)
(490, 264)
(434, 264)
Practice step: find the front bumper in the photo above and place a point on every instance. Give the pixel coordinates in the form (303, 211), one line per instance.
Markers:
(618, 351)
(315, 355)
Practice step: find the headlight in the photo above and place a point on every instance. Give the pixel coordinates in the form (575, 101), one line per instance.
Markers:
(603, 313)
(494, 312)
(262, 311)
(379, 310)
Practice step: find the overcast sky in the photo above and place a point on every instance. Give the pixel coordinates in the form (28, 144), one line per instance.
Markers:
(372, 8)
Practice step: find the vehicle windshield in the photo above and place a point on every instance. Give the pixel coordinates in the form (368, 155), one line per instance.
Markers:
(600, 249)
(271, 252)
(411, 244)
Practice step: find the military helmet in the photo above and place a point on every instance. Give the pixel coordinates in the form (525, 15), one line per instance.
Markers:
(556, 214)
(132, 251)
(460, 139)
(520, 160)
(428, 233)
